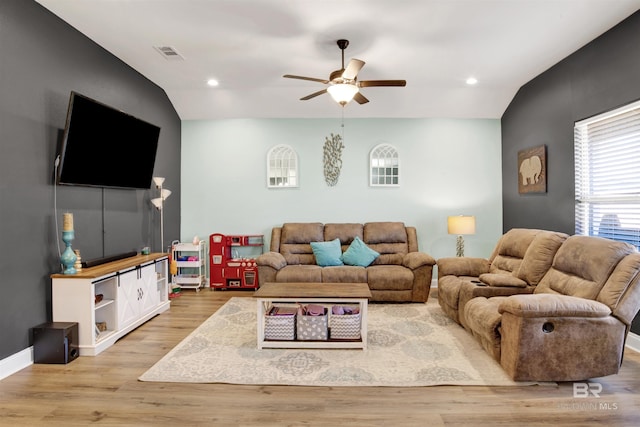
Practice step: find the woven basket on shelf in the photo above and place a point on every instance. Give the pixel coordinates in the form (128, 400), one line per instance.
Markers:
(280, 327)
(345, 326)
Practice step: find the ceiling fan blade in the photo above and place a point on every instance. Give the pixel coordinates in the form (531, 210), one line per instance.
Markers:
(313, 95)
(369, 83)
(313, 79)
(360, 98)
(351, 72)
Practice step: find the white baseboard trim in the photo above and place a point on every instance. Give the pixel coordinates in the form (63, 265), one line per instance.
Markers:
(12, 364)
(633, 342)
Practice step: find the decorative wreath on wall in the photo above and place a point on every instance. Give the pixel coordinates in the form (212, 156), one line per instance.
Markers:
(332, 159)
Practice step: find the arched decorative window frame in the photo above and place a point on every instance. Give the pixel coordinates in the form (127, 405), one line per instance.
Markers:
(283, 152)
(382, 156)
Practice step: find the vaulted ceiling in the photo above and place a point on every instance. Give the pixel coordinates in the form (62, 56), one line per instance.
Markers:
(248, 45)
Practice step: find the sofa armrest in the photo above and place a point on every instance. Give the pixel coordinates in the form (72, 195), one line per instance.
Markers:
(502, 280)
(414, 260)
(552, 305)
(462, 266)
(274, 260)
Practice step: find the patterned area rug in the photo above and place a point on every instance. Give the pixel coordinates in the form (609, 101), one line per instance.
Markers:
(408, 345)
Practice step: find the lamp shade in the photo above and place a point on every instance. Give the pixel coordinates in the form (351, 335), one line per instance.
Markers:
(461, 224)
(157, 203)
(158, 180)
(342, 92)
(165, 194)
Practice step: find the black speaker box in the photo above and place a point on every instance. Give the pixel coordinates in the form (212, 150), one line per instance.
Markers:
(55, 342)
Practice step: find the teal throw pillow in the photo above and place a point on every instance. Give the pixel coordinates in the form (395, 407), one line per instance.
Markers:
(359, 254)
(327, 253)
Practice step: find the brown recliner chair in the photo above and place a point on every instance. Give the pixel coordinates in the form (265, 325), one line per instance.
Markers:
(574, 326)
(520, 259)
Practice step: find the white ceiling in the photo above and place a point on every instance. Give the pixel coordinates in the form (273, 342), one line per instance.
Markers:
(433, 44)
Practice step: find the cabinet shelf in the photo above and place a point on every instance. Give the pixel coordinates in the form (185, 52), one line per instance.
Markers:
(104, 303)
(194, 280)
(189, 264)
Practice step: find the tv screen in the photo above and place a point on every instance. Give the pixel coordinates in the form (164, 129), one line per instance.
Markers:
(104, 147)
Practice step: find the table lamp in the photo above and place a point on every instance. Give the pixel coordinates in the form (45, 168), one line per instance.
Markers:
(460, 225)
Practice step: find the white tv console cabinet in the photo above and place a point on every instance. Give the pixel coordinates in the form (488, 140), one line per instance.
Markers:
(133, 291)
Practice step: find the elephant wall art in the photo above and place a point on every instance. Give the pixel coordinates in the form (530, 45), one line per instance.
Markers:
(532, 170)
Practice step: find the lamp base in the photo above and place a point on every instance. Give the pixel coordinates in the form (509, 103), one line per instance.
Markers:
(460, 246)
(68, 257)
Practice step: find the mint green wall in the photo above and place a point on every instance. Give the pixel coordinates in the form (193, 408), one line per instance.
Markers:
(448, 167)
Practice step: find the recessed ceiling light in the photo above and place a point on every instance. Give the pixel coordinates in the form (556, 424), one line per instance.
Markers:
(471, 81)
(213, 82)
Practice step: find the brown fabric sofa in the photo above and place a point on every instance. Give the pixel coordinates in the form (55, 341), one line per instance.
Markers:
(518, 262)
(400, 274)
(575, 323)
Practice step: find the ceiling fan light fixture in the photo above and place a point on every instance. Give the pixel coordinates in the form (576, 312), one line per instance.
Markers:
(342, 93)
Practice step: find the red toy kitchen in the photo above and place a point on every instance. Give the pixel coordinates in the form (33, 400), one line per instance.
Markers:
(232, 261)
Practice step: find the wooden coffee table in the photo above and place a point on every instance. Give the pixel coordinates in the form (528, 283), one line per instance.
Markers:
(327, 293)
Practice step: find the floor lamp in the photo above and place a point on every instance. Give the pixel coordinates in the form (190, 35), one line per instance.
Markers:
(158, 202)
(461, 224)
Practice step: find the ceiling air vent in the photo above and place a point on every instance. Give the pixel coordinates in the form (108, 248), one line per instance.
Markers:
(169, 53)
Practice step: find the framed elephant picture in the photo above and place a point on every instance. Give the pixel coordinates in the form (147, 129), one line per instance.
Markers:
(532, 170)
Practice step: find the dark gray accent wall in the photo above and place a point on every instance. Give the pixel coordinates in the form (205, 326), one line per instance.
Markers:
(603, 75)
(43, 60)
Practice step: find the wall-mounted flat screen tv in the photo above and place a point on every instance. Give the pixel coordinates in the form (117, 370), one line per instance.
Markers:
(105, 147)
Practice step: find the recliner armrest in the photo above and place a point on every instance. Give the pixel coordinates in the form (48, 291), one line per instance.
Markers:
(414, 260)
(462, 266)
(274, 260)
(552, 305)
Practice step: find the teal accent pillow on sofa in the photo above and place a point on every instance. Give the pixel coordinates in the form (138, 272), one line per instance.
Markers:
(327, 253)
(359, 254)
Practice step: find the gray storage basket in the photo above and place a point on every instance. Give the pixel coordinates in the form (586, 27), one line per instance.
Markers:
(312, 328)
(345, 326)
(282, 328)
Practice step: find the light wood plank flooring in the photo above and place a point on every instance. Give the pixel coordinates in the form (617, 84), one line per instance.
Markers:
(104, 391)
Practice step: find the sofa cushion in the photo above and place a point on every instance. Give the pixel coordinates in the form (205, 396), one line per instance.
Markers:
(449, 290)
(618, 293)
(300, 273)
(539, 256)
(385, 232)
(483, 319)
(512, 248)
(303, 232)
(295, 239)
(327, 253)
(359, 254)
(344, 274)
(582, 265)
(389, 277)
(389, 239)
(345, 232)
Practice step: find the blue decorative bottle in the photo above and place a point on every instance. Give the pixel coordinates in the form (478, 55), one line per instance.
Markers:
(68, 257)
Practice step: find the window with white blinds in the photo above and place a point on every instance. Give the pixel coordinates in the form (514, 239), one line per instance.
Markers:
(607, 162)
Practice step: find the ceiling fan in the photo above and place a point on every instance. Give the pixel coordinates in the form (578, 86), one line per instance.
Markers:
(343, 83)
